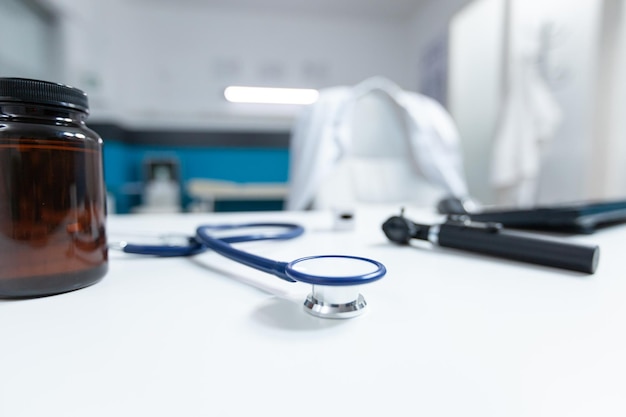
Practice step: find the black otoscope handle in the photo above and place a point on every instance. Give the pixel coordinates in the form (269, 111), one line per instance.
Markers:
(491, 239)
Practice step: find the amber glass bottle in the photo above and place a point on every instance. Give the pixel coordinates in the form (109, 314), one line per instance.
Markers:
(52, 194)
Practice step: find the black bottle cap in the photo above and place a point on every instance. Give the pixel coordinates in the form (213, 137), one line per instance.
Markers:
(25, 90)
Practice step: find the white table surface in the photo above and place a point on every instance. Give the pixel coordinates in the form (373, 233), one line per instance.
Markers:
(446, 333)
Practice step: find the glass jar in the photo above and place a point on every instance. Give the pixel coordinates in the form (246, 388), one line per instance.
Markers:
(52, 193)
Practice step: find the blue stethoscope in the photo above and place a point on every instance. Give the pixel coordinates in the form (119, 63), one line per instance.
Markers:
(335, 278)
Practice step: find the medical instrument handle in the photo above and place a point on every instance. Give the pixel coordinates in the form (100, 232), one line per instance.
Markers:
(224, 248)
(491, 239)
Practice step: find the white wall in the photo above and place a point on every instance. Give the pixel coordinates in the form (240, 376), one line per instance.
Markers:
(167, 63)
(27, 41)
(427, 27)
(476, 46)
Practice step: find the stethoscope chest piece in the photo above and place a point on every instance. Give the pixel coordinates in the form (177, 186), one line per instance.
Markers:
(335, 302)
(336, 281)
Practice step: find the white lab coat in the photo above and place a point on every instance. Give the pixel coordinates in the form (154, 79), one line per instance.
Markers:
(530, 119)
(321, 137)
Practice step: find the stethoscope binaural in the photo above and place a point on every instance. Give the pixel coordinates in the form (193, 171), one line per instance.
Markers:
(335, 278)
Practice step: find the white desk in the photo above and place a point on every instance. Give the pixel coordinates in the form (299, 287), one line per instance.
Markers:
(446, 334)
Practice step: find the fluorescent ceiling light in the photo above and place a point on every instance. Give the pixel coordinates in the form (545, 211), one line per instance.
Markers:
(238, 94)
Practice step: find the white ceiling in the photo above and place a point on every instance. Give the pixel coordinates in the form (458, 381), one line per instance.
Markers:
(357, 8)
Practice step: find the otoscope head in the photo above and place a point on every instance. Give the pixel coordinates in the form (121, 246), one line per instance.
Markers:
(398, 229)
(401, 230)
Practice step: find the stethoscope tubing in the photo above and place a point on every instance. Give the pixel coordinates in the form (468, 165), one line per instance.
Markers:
(193, 248)
(287, 271)
(224, 248)
(196, 245)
